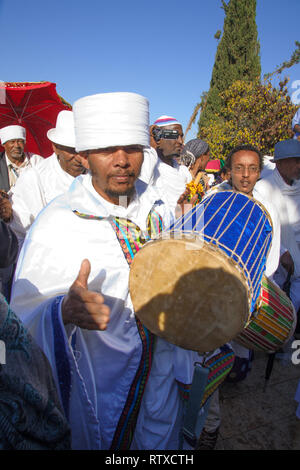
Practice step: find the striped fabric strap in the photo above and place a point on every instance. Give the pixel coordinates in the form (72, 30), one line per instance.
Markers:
(206, 379)
(131, 239)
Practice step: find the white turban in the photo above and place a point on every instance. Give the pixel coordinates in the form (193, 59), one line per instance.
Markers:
(110, 120)
(12, 132)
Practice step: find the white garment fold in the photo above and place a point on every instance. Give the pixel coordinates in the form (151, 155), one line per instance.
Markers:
(34, 189)
(171, 181)
(286, 199)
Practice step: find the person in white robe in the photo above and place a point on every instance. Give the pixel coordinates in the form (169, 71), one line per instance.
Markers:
(244, 165)
(164, 172)
(14, 161)
(37, 186)
(71, 290)
(244, 181)
(282, 187)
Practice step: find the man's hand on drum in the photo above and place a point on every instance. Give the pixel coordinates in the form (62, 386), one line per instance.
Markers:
(287, 262)
(82, 307)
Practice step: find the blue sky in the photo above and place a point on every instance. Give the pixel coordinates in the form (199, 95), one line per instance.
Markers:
(164, 50)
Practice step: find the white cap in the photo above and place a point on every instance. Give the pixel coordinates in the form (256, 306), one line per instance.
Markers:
(111, 119)
(63, 133)
(12, 132)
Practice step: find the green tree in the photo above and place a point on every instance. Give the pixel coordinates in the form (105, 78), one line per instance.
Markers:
(252, 113)
(237, 56)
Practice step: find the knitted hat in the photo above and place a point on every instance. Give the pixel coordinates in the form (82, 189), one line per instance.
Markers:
(166, 121)
(197, 147)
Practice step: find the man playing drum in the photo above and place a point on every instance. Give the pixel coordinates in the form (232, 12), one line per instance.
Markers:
(244, 164)
(116, 381)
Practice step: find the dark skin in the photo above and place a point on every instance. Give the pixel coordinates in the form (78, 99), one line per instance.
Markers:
(114, 171)
(5, 207)
(244, 173)
(167, 149)
(200, 164)
(289, 169)
(14, 149)
(69, 159)
(297, 128)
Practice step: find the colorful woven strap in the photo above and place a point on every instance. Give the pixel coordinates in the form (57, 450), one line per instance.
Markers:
(219, 367)
(131, 239)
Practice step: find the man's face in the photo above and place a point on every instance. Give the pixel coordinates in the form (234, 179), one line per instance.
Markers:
(114, 170)
(245, 171)
(14, 149)
(289, 168)
(69, 159)
(171, 147)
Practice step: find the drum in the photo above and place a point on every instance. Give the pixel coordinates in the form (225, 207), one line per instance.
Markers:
(273, 322)
(196, 283)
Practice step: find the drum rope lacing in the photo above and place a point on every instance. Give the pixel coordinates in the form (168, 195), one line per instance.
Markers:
(253, 287)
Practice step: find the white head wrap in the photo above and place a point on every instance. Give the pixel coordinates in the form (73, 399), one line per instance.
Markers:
(63, 133)
(111, 119)
(12, 132)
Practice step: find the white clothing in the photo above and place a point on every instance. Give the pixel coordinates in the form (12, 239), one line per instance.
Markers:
(14, 171)
(273, 257)
(268, 166)
(286, 199)
(171, 181)
(34, 189)
(103, 363)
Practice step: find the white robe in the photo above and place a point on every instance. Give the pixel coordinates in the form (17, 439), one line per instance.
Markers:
(170, 181)
(34, 189)
(103, 363)
(273, 257)
(286, 199)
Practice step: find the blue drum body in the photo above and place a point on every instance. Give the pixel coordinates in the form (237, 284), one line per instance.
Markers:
(237, 225)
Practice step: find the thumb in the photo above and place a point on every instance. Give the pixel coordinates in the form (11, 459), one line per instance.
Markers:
(83, 275)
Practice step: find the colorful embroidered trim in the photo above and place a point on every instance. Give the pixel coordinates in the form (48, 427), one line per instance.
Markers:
(272, 324)
(131, 240)
(220, 365)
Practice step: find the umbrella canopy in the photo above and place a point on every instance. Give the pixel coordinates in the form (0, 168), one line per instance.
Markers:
(34, 106)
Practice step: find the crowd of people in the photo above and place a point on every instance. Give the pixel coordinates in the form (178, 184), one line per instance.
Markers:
(81, 370)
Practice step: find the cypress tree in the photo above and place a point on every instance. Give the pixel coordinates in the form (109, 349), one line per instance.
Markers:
(237, 56)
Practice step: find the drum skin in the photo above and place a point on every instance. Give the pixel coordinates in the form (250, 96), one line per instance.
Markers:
(187, 292)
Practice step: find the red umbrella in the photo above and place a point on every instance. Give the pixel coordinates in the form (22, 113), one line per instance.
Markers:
(34, 106)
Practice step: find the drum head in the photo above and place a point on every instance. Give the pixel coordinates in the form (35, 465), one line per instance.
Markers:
(188, 293)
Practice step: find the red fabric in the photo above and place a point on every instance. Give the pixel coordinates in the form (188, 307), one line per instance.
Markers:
(34, 106)
(213, 165)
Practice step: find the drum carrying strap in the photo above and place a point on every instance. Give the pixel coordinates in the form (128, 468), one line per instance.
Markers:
(193, 422)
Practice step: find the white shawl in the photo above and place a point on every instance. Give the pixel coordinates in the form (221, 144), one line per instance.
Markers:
(286, 199)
